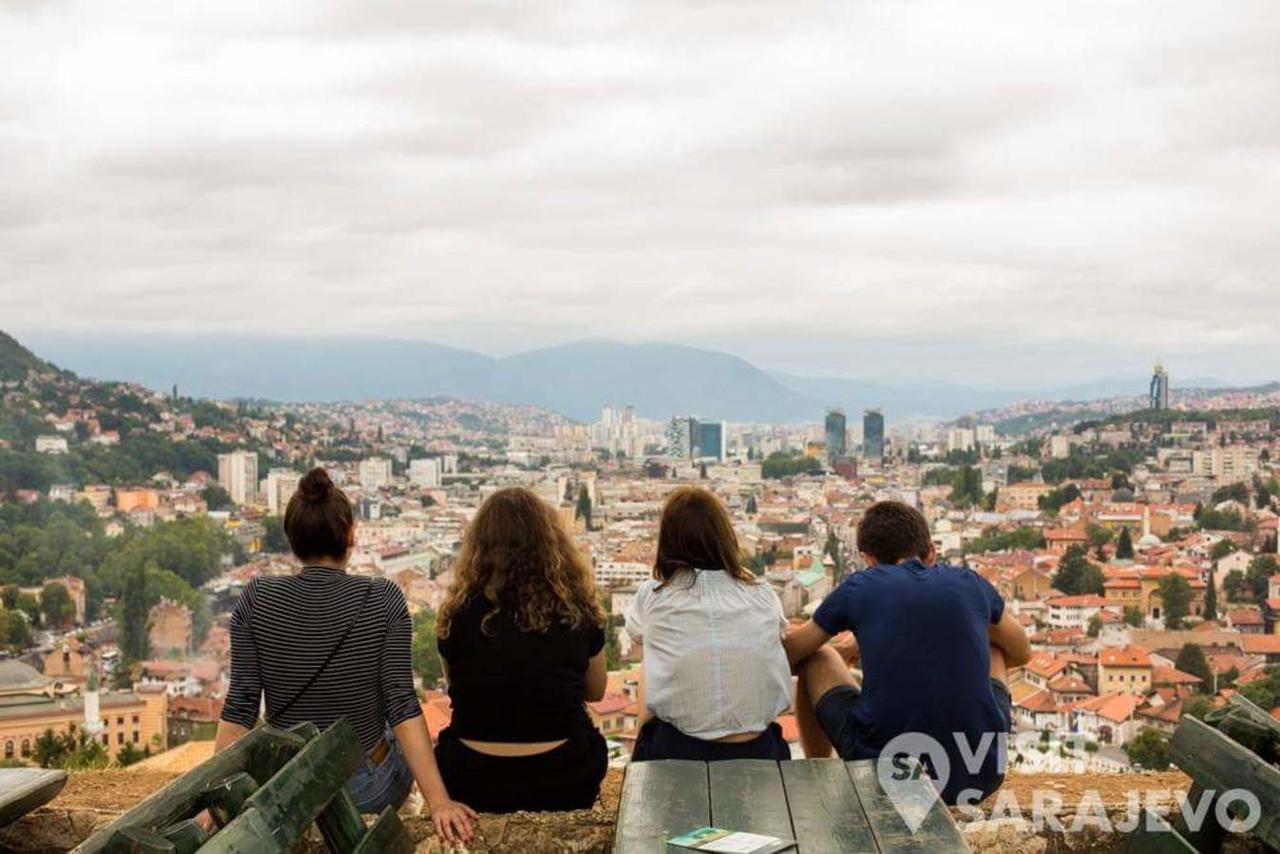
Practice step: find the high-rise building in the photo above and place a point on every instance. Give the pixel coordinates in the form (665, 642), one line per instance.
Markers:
(681, 437)
(238, 475)
(837, 431)
(712, 440)
(1159, 392)
(872, 435)
(281, 485)
(375, 473)
(425, 472)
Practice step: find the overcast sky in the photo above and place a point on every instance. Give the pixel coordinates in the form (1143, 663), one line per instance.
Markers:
(983, 192)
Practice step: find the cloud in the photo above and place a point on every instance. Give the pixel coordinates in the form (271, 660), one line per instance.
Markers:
(984, 194)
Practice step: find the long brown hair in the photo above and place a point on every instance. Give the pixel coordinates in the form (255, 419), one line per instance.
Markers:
(518, 555)
(696, 533)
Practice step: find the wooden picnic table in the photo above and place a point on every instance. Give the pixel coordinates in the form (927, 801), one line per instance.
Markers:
(825, 805)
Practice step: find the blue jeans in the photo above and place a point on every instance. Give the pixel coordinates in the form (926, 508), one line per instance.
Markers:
(376, 787)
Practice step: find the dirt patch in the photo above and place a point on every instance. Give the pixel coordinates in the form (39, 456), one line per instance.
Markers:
(109, 791)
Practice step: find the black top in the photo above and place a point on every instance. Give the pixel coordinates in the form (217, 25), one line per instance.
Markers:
(284, 627)
(514, 686)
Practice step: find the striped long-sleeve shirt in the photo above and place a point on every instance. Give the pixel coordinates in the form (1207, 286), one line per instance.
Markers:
(284, 627)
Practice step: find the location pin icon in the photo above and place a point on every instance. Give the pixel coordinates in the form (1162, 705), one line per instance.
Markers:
(912, 769)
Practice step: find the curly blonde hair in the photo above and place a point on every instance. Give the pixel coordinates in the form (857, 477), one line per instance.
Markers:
(517, 554)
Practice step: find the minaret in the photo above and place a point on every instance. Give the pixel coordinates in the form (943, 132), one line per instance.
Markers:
(92, 719)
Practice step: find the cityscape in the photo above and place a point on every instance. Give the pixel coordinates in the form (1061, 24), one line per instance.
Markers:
(1138, 549)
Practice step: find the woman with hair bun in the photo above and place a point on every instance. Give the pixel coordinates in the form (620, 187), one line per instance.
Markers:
(324, 645)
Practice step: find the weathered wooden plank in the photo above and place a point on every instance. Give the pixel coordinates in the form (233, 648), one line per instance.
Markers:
(24, 789)
(299, 792)
(179, 799)
(1208, 839)
(936, 833)
(826, 813)
(747, 795)
(387, 836)
(250, 833)
(1216, 762)
(1163, 839)
(138, 840)
(340, 823)
(226, 797)
(660, 800)
(187, 836)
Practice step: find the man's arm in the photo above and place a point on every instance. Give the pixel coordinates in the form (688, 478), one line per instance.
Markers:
(803, 641)
(1008, 634)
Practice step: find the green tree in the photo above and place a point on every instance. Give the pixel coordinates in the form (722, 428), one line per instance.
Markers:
(50, 750)
(1076, 575)
(1261, 568)
(1175, 595)
(966, 490)
(1095, 626)
(216, 498)
(135, 644)
(1149, 749)
(1266, 691)
(612, 648)
(582, 510)
(29, 605)
(1197, 706)
(1191, 659)
(1236, 586)
(426, 657)
(1133, 617)
(1124, 545)
(1211, 595)
(56, 605)
(752, 506)
(274, 540)
(1221, 549)
(129, 754)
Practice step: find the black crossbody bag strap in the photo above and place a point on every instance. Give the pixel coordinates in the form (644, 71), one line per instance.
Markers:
(314, 676)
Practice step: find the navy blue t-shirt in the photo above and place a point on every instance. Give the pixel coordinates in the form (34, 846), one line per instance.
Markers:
(926, 659)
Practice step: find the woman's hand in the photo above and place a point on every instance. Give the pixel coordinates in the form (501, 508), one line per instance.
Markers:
(454, 822)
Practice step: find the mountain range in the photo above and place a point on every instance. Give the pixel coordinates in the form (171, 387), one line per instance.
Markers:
(575, 379)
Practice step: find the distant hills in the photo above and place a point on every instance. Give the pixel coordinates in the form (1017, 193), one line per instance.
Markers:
(574, 379)
(16, 360)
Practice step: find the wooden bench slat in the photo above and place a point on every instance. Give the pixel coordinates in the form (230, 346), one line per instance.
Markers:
(937, 833)
(826, 812)
(747, 795)
(660, 800)
(1216, 762)
(1162, 840)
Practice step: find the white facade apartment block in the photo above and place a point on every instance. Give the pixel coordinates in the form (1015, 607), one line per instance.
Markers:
(375, 473)
(425, 472)
(619, 573)
(281, 485)
(238, 475)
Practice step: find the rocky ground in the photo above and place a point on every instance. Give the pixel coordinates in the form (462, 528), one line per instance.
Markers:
(93, 798)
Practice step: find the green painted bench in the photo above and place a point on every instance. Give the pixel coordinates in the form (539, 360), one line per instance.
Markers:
(825, 805)
(24, 789)
(1234, 747)
(264, 791)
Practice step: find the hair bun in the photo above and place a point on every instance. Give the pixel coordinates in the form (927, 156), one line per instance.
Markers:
(316, 485)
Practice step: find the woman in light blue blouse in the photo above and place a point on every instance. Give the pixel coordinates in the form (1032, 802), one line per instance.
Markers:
(716, 675)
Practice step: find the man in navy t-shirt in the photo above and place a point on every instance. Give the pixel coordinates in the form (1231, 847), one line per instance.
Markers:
(934, 642)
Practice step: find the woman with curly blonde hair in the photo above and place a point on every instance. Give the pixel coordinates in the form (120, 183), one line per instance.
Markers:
(521, 637)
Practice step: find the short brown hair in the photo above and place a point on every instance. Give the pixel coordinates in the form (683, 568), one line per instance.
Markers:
(696, 533)
(318, 520)
(892, 532)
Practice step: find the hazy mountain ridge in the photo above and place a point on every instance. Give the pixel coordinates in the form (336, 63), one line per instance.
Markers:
(574, 379)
